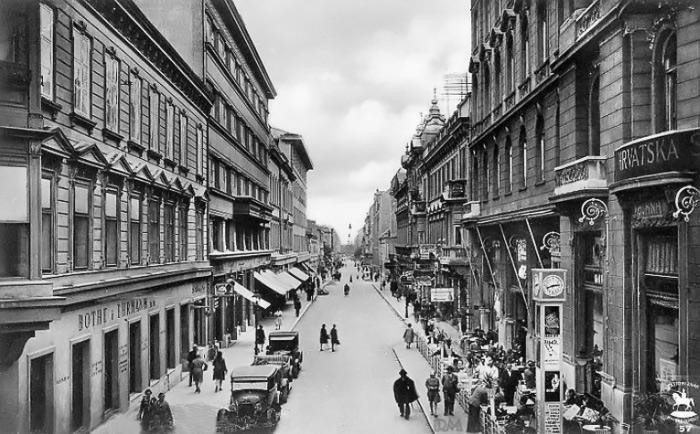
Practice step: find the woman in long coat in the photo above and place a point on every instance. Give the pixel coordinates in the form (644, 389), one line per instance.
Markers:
(219, 371)
(197, 367)
(324, 336)
(408, 336)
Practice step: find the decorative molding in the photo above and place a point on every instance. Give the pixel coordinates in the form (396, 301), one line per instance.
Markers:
(687, 199)
(551, 241)
(592, 209)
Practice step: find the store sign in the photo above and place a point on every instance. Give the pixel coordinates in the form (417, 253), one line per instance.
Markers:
(425, 250)
(439, 295)
(123, 309)
(548, 284)
(671, 151)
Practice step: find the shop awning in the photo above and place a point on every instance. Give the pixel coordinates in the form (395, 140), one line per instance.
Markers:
(306, 268)
(292, 281)
(299, 274)
(268, 279)
(248, 295)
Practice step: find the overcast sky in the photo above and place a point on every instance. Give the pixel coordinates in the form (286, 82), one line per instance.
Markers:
(352, 77)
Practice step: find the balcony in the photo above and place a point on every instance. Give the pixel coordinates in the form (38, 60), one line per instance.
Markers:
(453, 255)
(583, 177)
(472, 210)
(246, 206)
(418, 208)
(455, 190)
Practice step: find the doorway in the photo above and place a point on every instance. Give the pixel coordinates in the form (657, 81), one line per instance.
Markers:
(41, 394)
(184, 330)
(80, 376)
(170, 338)
(135, 382)
(111, 370)
(154, 347)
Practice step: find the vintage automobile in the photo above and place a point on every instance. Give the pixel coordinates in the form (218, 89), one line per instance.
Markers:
(255, 399)
(285, 364)
(286, 343)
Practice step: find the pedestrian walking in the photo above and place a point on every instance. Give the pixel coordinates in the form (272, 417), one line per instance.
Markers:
(449, 390)
(433, 386)
(324, 336)
(197, 369)
(297, 306)
(404, 393)
(278, 319)
(334, 338)
(220, 371)
(165, 416)
(144, 414)
(259, 338)
(211, 351)
(190, 358)
(409, 335)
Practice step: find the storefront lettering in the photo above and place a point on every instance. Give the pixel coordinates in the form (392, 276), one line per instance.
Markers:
(122, 309)
(672, 151)
(652, 209)
(63, 379)
(647, 153)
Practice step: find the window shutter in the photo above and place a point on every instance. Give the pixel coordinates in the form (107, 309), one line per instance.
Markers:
(46, 18)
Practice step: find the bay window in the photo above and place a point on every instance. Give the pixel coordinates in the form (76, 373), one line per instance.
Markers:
(14, 222)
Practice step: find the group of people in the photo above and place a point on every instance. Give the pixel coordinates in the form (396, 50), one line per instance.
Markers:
(325, 337)
(155, 414)
(197, 365)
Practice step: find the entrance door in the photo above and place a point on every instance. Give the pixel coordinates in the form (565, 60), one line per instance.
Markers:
(135, 382)
(154, 346)
(170, 338)
(80, 376)
(184, 330)
(41, 394)
(111, 370)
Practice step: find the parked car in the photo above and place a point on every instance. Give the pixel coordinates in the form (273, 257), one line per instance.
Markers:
(286, 343)
(255, 399)
(285, 363)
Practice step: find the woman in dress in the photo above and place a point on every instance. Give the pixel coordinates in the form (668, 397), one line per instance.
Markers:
(219, 371)
(334, 338)
(323, 336)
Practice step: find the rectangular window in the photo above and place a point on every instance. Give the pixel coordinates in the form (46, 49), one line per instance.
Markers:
(135, 109)
(154, 119)
(14, 222)
(200, 150)
(183, 139)
(154, 231)
(199, 233)
(135, 228)
(81, 226)
(169, 231)
(240, 126)
(209, 30)
(46, 19)
(112, 93)
(47, 231)
(169, 131)
(182, 221)
(81, 73)
(111, 238)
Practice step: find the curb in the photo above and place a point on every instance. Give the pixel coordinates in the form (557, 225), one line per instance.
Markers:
(303, 311)
(393, 309)
(425, 415)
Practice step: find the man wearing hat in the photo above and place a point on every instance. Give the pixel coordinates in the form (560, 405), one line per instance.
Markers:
(404, 393)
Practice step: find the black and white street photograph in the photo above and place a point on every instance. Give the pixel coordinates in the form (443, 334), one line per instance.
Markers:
(352, 217)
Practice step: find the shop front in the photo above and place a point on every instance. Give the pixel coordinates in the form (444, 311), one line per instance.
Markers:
(98, 356)
(656, 185)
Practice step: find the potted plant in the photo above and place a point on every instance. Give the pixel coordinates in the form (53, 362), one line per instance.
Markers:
(651, 413)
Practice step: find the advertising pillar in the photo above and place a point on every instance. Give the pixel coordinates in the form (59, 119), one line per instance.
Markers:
(548, 288)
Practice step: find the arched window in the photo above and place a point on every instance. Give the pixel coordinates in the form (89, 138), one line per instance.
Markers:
(509, 166)
(497, 91)
(523, 157)
(665, 81)
(594, 117)
(524, 48)
(540, 148)
(510, 59)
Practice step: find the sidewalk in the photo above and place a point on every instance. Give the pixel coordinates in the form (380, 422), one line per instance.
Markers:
(187, 405)
(419, 370)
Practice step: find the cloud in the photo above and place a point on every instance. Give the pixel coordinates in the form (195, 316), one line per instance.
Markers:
(352, 78)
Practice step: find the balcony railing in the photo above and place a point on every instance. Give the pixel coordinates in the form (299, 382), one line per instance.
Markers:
(455, 189)
(585, 174)
(453, 255)
(472, 210)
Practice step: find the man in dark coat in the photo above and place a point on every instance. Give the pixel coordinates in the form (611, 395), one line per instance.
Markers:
(297, 306)
(259, 339)
(334, 338)
(404, 393)
(190, 358)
